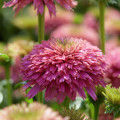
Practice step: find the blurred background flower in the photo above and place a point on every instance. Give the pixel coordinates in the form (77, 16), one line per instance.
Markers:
(32, 111)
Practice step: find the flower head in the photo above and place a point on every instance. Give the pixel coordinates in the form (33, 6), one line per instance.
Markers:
(113, 72)
(20, 47)
(90, 21)
(112, 23)
(112, 101)
(39, 5)
(63, 17)
(35, 111)
(64, 67)
(16, 50)
(76, 31)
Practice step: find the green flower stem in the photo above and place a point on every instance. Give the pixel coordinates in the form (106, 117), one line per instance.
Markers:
(41, 35)
(96, 106)
(66, 103)
(102, 25)
(40, 97)
(41, 27)
(9, 87)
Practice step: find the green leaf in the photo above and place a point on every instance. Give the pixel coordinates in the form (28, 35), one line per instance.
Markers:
(28, 100)
(4, 57)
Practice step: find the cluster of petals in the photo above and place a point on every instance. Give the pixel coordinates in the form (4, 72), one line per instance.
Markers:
(32, 111)
(63, 67)
(113, 72)
(77, 31)
(39, 5)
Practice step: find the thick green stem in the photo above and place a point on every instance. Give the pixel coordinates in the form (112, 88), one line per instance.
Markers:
(9, 87)
(66, 102)
(41, 35)
(96, 111)
(40, 97)
(41, 27)
(102, 26)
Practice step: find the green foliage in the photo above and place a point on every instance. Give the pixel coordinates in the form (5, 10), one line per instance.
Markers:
(78, 19)
(4, 57)
(100, 96)
(112, 101)
(116, 2)
(73, 114)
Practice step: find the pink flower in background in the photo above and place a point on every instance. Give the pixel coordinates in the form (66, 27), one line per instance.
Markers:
(63, 67)
(76, 31)
(63, 17)
(90, 21)
(39, 5)
(33, 111)
(112, 43)
(112, 22)
(113, 72)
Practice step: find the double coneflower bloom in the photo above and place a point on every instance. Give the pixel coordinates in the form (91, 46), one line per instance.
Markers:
(63, 67)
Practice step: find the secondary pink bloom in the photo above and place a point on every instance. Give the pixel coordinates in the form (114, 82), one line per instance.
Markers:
(76, 31)
(63, 17)
(112, 43)
(112, 23)
(113, 72)
(39, 5)
(90, 21)
(64, 67)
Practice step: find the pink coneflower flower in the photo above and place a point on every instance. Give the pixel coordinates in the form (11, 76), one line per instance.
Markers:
(34, 111)
(16, 50)
(112, 23)
(76, 31)
(63, 17)
(112, 43)
(64, 67)
(39, 5)
(90, 21)
(113, 72)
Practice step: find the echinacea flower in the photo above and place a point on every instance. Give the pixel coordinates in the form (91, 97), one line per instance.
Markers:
(74, 114)
(39, 5)
(90, 21)
(19, 47)
(112, 23)
(112, 43)
(34, 111)
(112, 101)
(77, 31)
(16, 50)
(64, 67)
(63, 17)
(113, 71)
